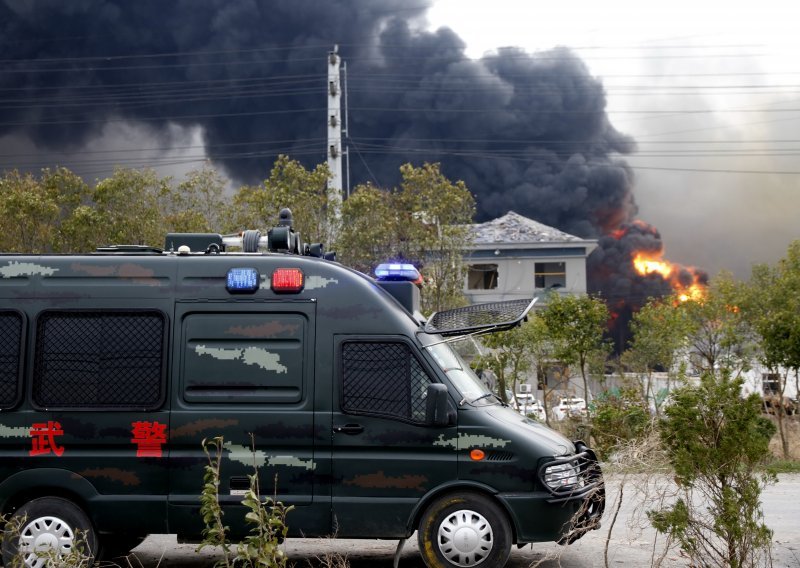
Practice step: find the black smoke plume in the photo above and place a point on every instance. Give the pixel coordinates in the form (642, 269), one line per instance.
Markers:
(526, 132)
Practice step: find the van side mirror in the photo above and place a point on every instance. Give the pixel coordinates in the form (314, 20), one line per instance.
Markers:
(436, 405)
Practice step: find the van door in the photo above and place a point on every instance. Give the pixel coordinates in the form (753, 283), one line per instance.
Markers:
(384, 456)
(245, 373)
(98, 387)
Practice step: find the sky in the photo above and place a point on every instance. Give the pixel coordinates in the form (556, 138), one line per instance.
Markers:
(709, 90)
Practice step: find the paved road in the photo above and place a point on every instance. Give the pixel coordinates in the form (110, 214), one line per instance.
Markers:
(630, 547)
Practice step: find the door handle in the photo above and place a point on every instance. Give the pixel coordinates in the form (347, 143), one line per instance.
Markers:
(349, 429)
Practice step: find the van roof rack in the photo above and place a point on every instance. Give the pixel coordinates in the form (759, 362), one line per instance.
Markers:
(128, 249)
(479, 318)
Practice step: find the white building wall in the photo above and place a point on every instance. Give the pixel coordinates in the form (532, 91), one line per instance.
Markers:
(516, 278)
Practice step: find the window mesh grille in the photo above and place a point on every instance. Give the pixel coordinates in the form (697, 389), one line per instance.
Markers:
(99, 359)
(10, 342)
(384, 378)
(477, 316)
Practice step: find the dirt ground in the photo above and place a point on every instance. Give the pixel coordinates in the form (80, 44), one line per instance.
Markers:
(631, 544)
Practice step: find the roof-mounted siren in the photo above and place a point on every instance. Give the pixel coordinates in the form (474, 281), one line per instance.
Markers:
(281, 238)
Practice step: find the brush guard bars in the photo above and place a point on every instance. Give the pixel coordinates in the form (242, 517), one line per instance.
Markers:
(557, 477)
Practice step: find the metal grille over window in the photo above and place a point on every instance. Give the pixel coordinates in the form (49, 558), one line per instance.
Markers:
(385, 379)
(468, 318)
(10, 338)
(99, 360)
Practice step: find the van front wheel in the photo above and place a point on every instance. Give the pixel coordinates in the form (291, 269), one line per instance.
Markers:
(462, 531)
(47, 529)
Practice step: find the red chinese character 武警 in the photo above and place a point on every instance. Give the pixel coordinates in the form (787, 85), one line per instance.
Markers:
(149, 437)
(43, 436)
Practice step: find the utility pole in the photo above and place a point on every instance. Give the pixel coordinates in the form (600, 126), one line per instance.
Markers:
(334, 141)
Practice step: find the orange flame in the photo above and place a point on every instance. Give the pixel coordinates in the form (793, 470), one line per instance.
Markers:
(652, 263)
(645, 266)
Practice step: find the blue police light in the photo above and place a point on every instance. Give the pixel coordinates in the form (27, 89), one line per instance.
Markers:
(242, 280)
(397, 271)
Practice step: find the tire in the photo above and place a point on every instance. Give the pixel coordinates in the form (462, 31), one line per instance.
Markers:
(48, 522)
(464, 530)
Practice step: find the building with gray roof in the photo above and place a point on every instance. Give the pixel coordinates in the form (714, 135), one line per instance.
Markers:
(513, 257)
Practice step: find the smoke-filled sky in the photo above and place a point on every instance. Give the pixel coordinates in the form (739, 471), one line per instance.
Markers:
(709, 90)
(581, 115)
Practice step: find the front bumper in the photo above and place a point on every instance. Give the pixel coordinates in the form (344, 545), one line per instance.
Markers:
(588, 494)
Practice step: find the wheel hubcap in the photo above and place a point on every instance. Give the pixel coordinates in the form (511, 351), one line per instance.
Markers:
(465, 538)
(44, 538)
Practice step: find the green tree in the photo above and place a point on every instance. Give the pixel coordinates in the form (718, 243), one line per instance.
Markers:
(197, 204)
(128, 208)
(772, 306)
(424, 222)
(720, 338)
(508, 357)
(69, 192)
(369, 228)
(660, 331)
(717, 443)
(434, 213)
(35, 210)
(28, 214)
(619, 415)
(543, 347)
(577, 325)
(290, 185)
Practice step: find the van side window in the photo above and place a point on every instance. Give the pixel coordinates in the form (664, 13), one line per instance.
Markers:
(99, 359)
(383, 378)
(10, 343)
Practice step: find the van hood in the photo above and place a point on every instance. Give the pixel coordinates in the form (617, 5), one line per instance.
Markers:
(556, 443)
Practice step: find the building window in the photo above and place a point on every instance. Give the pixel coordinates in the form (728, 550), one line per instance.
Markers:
(550, 275)
(482, 277)
(770, 383)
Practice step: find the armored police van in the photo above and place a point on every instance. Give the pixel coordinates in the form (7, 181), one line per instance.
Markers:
(115, 365)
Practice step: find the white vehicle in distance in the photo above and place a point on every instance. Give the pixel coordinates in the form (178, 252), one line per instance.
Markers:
(527, 404)
(569, 406)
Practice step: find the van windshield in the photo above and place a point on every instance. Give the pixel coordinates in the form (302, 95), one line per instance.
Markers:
(463, 378)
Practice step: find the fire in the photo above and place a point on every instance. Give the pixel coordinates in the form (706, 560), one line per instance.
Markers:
(687, 282)
(645, 266)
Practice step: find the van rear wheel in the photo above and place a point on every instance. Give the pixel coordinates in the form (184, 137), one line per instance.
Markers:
(46, 529)
(464, 530)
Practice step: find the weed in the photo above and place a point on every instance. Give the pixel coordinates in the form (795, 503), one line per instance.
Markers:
(261, 548)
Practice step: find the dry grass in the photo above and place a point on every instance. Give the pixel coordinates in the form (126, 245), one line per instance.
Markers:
(792, 425)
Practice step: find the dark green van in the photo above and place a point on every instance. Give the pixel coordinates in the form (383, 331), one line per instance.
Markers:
(114, 366)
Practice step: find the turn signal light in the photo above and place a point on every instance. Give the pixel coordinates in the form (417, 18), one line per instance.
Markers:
(477, 455)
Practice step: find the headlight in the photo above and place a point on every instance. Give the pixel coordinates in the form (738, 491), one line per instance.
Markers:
(560, 476)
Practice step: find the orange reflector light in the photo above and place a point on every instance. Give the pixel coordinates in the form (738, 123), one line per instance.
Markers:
(287, 280)
(477, 455)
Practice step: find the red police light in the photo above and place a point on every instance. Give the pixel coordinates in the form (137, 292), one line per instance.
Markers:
(287, 281)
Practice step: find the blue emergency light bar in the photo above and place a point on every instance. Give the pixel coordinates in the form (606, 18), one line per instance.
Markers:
(397, 271)
(242, 280)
